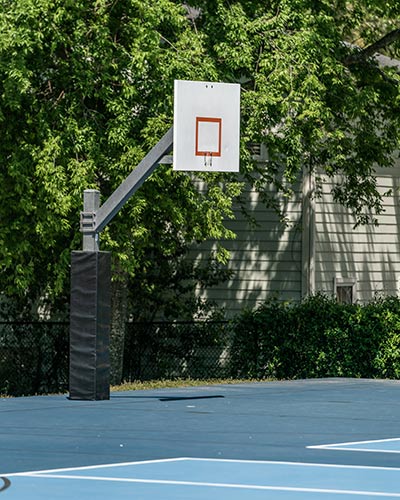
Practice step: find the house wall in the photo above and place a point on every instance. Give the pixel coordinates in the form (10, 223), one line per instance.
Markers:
(370, 254)
(319, 244)
(265, 258)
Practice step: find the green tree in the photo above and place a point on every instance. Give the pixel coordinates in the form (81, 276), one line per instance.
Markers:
(313, 91)
(85, 91)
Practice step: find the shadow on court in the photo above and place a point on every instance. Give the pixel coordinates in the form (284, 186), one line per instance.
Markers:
(271, 421)
(182, 398)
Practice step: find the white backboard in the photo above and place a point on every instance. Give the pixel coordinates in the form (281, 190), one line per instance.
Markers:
(206, 126)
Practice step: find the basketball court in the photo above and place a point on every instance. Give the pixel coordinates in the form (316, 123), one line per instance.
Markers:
(328, 438)
(297, 440)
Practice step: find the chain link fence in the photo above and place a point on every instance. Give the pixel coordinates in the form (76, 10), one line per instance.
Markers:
(34, 356)
(165, 350)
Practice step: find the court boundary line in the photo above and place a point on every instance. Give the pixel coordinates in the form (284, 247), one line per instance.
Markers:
(89, 467)
(199, 459)
(347, 446)
(57, 474)
(305, 464)
(220, 485)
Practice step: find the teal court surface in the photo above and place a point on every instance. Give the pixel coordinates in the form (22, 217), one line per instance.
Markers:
(294, 440)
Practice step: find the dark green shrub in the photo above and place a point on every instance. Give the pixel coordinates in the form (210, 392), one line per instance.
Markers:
(318, 338)
(258, 335)
(386, 335)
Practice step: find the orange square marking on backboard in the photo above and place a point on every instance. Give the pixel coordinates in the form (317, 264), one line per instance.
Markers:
(217, 140)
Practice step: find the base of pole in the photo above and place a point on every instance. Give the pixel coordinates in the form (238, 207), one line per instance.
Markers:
(90, 320)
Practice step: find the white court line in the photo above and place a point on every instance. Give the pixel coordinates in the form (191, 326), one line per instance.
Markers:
(195, 459)
(52, 474)
(91, 467)
(301, 464)
(222, 485)
(349, 446)
(366, 450)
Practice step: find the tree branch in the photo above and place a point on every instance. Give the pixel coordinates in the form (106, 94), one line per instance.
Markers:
(372, 49)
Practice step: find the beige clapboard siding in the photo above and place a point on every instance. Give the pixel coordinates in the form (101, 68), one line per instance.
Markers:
(384, 189)
(239, 298)
(269, 252)
(261, 216)
(265, 259)
(263, 270)
(363, 275)
(391, 209)
(254, 282)
(263, 225)
(257, 292)
(270, 236)
(258, 279)
(367, 290)
(357, 257)
(341, 239)
(330, 216)
(238, 303)
(252, 197)
(262, 261)
(366, 283)
(386, 182)
(245, 264)
(369, 253)
(289, 207)
(391, 214)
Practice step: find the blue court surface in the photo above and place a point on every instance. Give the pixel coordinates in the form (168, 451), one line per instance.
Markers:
(294, 440)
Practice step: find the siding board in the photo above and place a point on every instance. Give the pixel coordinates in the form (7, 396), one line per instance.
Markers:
(265, 258)
(369, 253)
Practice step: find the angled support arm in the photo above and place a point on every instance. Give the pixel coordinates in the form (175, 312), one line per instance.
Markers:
(133, 182)
(95, 217)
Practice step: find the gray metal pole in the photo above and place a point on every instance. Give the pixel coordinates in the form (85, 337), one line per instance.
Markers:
(91, 203)
(134, 180)
(91, 305)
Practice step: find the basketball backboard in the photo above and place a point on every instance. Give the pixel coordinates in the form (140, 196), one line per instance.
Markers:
(206, 126)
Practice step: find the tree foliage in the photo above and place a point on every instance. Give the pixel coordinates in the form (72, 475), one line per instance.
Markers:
(86, 90)
(302, 94)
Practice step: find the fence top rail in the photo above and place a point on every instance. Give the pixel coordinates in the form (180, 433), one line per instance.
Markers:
(188, 322)
(161, 322)
(51, 323)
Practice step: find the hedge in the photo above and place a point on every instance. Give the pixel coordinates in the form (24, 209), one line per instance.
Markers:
(318, 338)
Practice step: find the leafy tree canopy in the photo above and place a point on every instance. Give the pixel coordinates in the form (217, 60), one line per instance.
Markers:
(86, 90)
(313, 91)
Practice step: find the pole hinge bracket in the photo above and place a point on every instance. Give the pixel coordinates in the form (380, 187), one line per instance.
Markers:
(88, 222)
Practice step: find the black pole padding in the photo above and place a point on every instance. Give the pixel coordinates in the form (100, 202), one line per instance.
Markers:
(90, 323)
